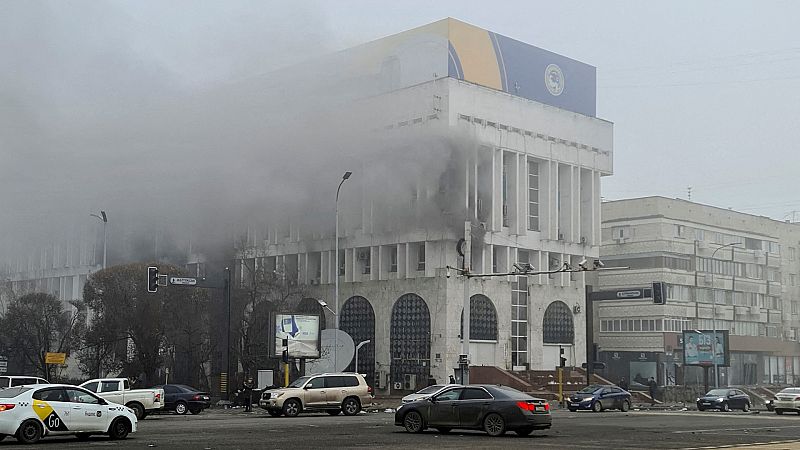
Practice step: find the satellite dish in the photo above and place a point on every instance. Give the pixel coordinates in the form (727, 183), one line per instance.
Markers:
(344, 353)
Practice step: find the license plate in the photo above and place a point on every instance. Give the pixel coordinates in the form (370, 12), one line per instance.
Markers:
(705, 403)
(574, 404)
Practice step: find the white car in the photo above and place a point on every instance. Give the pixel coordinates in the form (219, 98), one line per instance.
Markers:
(118, 390)
(31, 412)
(426, 392)
(787, 400)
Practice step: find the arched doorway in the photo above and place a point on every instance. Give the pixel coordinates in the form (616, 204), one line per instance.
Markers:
(482, 319)
(358, 320)
(410, 342)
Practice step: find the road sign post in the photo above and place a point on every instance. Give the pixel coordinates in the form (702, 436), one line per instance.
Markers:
(183, 281)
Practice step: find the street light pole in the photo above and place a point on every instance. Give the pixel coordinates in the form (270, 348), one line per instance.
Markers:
(360, 344)
(104, 218)
(714, 313)
(336, 268)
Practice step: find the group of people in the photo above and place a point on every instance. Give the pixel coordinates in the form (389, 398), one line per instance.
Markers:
(652, 385)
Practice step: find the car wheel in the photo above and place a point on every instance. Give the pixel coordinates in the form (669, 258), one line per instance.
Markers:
(572, 409)
(700, 408)
(333, 412)
(725, 407)
(82, 436)
(274, 412)
(494, 425)
(597, 407)
(351, 406)
(626, 406)
(524, 431)
(119, 428)
(137, 409)
(779, 412)
(181, 408)
(746, 407)
(443, 430)
(195, 411)
(291, 408)
(412, 422)
(29, 432)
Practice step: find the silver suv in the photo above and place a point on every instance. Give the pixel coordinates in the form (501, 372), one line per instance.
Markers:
(330, 392)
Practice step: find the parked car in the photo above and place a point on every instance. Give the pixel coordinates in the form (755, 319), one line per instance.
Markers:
(36, 410)
(182, 399)
(426, 392)
(598, 397)
(330, 392)
(118, 390)
(19, 380)
(494, 409)
(724, 400)
(787, 400)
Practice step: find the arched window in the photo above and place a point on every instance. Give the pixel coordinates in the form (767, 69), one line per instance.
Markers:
(557, 325)
(482, 319)
(410, 341)
(358, 320)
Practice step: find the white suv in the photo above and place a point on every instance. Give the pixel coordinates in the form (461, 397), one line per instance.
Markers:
(330, 392)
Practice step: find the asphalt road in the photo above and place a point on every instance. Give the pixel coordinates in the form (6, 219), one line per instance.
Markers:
(232, 429)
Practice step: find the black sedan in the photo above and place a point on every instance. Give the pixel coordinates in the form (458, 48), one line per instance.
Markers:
(494, 409)
(598, 397)
(182, 399)
(724, 400)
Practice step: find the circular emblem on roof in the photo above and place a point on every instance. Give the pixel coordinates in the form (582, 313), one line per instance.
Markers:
(554, 79)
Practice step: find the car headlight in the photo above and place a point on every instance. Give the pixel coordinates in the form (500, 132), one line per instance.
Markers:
(586, 400)
(697, 399)
(718, 400)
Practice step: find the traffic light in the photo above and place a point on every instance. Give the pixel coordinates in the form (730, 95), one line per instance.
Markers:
(659, 293)
(562, 360)
(152, 279)
(285, 356)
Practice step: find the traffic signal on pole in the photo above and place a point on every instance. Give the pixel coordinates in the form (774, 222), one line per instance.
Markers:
(285, 356)
(659, 293)
(152, 279)
(562, 361)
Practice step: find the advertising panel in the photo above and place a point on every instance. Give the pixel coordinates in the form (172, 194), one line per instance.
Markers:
(302, 333)
(705, 347)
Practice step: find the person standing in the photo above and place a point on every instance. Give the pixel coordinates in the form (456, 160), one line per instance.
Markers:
(623, 384)
(248, 394)
(653, 387)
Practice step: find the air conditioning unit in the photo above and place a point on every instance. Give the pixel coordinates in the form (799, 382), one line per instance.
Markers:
(398, 385)
(560, 236)
(363, 255)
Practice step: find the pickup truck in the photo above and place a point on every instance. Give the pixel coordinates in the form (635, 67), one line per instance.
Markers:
(118, 390)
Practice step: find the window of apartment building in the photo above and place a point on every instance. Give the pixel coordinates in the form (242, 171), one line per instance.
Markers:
(753, 244)
(791, 253)
(533, 195)
(365, 258)
(772, 331)
(679, 230)
(621, 232)
(393, 258)
(772, 247)
(421, 257)
(772, 302)
(699, 235)
(342, 259)
(674, 263)
(678, 292)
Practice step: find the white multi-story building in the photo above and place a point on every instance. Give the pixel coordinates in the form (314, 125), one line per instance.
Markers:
(746, 265)
(524, 158)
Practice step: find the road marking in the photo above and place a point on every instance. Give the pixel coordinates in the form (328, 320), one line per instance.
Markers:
(773, 445)
(709, 430)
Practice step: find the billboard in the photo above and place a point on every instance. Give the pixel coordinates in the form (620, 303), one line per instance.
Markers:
(302, 333)
(699, 348)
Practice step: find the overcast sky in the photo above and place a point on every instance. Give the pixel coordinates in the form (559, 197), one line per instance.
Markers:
(702, 94)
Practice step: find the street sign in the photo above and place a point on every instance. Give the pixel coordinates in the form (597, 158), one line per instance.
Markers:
(3, 365)
(183, 281)
(55, 358)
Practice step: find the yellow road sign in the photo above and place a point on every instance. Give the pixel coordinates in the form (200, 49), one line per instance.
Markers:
(55, 358)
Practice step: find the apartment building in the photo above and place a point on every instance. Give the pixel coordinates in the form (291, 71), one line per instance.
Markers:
(740, 266)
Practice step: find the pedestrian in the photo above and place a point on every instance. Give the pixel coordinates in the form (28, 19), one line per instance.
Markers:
(623, 384)
(247, 387)
(653, 386)
(452, 379)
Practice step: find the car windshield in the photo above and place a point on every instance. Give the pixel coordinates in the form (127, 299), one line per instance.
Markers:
(13, 391)
(431, 389)
(717, 393)
(590, 389)
(299, 382)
